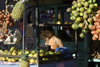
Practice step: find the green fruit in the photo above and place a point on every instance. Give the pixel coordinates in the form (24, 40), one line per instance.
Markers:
(27, 52)
(81, 14)
(3, 59)
(41, 51)
(9, 53)
(19, 53)
(76, 14)
(58, 52)
(47, 53)
(5, 52)
(13, 60)
(15, 51)
(35, 55)
(31, 55)
(94, 1)
(79, 19)
(82, 9)
(74, 26)
(85, 16)
(90, 1)
(14, 54)
(51, 53)
(79, 5)
(33, 51)
(77, 9)
(86, 4)
(12, 48)
(75, 6)
(1, 52)
(81, 25)
(89, 10)
(9, 60)
(41, 54)
(72, 18)
(89, 26)
(91, 6)
(82, 35)
(72, 7)
(73, 11)
(85, 13)
(90, 20)
(77, 22)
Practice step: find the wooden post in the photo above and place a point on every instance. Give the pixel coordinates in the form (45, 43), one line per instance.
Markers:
(86, 43)
(37, 30)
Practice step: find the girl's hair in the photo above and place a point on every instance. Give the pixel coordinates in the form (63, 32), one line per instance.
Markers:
(49, 28)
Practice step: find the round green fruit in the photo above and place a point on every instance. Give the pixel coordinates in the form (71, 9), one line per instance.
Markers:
(82, 9)
(85, 16)
(74, 26)
(91, 6)
(82, 35)
(78, 19)
(81, 25)
(90, 20)
(89, 10)
(79, 4)
(81, 14)
(86, 4)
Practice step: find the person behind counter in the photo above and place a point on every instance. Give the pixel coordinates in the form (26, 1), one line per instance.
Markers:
(51, 39)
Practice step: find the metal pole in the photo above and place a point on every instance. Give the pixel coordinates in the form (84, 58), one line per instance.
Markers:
(37, 30)
(23, 44)
(76, 43)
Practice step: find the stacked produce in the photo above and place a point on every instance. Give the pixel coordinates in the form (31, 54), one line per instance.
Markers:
(82, 13)
(96, 27)
(14, 52)
(5, 21)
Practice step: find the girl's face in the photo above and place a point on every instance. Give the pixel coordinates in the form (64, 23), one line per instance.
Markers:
(48, 33)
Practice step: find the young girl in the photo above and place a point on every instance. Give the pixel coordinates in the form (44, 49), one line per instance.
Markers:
(52, 40)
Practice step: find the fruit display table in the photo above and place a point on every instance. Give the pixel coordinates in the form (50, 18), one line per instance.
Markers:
(66, 63)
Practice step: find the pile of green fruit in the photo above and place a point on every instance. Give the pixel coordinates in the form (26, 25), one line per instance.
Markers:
(82, 13)
(13, 51)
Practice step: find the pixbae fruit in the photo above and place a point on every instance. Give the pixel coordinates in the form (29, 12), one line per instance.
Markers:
(83, 13)
(95, 28)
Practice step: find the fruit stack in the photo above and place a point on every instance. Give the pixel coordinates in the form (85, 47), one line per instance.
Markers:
(96, 27)
(5, 21)
(82, 13)
(14, 52)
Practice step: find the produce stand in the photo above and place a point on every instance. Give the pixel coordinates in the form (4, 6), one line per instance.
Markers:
(65, 63)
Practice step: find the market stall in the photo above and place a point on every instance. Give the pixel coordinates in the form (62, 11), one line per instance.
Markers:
(70, 62)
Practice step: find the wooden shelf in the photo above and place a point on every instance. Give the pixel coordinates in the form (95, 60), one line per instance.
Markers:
(41, 25)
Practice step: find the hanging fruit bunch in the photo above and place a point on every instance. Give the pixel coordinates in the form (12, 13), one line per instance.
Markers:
(82, 12)
(5, 21)
(96, 27)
